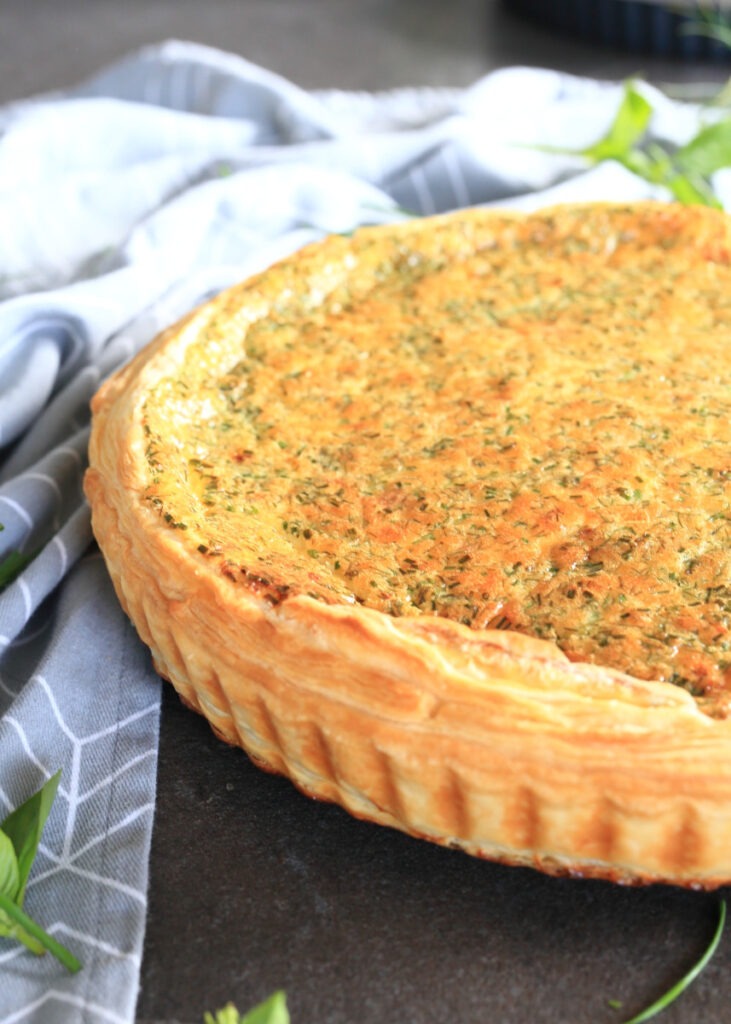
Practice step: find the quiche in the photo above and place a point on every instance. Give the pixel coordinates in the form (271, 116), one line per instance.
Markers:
(435, 520)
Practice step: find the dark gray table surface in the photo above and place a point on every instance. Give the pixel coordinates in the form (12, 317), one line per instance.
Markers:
(253, 886)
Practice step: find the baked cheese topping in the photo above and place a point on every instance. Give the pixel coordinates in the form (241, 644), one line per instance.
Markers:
(514, 422)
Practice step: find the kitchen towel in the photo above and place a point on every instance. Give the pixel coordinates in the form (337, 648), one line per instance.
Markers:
(124, 202)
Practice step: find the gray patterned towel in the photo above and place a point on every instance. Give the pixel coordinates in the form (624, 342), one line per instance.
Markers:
(123, 203)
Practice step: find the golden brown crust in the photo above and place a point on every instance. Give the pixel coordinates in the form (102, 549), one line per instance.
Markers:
(486, 739)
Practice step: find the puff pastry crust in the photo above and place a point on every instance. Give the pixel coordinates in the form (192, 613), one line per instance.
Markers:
(434, 520)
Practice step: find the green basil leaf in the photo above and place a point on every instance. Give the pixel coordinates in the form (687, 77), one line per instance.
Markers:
(9, 873)
(9, 880)
(708, 151)
(272, 1011)
(20, 834)
(629, 125)
(24, 826)
(9, 885)
(228, 1015)
(11, 566)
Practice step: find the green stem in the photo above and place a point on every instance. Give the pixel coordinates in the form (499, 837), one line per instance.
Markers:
(672, 994)
(44, 940)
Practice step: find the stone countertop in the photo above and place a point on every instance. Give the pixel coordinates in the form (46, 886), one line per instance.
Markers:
(256, 887)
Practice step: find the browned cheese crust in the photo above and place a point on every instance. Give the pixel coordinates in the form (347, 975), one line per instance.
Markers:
(435, 521)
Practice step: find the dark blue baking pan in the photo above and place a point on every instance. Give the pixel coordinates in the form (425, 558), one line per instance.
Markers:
(639, 26)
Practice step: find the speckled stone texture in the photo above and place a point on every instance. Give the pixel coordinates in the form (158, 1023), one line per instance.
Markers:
(255, 887)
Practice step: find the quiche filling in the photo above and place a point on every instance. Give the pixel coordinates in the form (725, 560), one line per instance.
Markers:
(525, 428)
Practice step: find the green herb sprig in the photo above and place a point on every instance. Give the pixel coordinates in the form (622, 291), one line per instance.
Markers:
(712, 24)
(680, 986)
(20, 835)
(685, 171)
(272, 1011)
